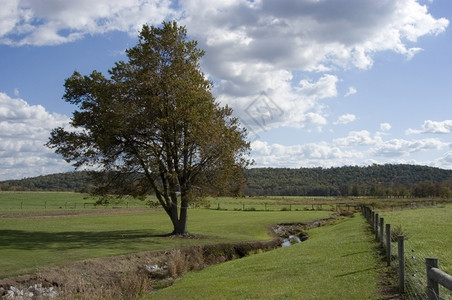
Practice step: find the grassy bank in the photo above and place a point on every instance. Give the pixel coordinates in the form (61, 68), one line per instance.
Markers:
(337, 262)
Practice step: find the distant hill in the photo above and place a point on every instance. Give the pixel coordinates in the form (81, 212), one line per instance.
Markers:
(376, 180)
(71, 181)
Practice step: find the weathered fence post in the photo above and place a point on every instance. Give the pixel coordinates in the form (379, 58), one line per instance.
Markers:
(382, 221)
(388, 244)
(401, 248)
(372, 220)
(432, 285)
(377, 217)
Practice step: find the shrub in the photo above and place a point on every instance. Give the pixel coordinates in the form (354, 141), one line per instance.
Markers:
(396, 231)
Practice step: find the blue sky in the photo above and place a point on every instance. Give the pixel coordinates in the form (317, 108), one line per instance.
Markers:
(317, 83)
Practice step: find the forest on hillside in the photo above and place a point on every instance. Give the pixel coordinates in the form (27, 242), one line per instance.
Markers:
(375, 180)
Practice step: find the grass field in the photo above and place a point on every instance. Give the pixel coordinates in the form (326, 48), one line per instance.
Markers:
(28, 242)
(338, 262)
(57, 201)
(64, 201)
(428, 231)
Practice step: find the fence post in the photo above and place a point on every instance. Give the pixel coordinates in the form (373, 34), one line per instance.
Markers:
(372, 219)
(388, 244)
(382, 221)
(432, 285)
(377, 217)
(401, 246)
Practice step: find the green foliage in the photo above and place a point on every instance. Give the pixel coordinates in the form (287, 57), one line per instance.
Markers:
(398, 181)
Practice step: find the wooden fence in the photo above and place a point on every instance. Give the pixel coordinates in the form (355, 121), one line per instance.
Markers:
(434, 275)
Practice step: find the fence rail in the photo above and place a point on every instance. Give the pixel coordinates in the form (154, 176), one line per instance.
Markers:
(409, 274)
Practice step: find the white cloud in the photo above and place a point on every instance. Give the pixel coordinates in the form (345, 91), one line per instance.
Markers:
(401, 147)
(351, 90)
(24, 129)
(444, 162)
(385, 126)
(433, 127)
(358, 138)
(251, 46)
(345, 119)
(47, 22)
(264, 45)
(282, 105)
(307, 155)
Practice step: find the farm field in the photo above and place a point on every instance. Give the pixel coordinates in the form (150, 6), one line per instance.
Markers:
(57, 201)
(34, 236)
(33, 239)
(428, 233)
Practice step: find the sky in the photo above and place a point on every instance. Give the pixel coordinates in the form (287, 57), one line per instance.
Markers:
(317, 83)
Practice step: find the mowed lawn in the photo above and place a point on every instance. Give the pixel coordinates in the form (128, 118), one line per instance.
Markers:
(339, 261)
(28, 243)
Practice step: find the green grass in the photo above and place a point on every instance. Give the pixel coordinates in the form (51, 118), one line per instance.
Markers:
(29, 243)
(337, 262)
(57, 201)
(428, 231)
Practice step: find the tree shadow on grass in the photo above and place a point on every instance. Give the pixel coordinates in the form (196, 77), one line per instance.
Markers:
(32, 240)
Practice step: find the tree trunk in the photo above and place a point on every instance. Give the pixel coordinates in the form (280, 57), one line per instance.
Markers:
(180, 221)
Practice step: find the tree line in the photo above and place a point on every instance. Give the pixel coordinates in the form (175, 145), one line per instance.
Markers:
(376, 180)
(387, 180)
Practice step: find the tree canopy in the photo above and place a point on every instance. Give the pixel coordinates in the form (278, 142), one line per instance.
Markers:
(153, 126)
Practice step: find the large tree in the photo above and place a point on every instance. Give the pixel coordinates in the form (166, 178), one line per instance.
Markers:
(153, 126)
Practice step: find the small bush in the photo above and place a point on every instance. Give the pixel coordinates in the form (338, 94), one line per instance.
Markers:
(396, 231)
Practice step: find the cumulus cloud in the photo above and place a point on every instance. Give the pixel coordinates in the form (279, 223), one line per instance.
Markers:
(251, 46)
(357, 138)
(444, 162)
(351, 90)
(255, 46)
(433, 127)
(345, 119)
(47, 22)
(306, 155)
(401, 147)
(385, 126)
(24, 129)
